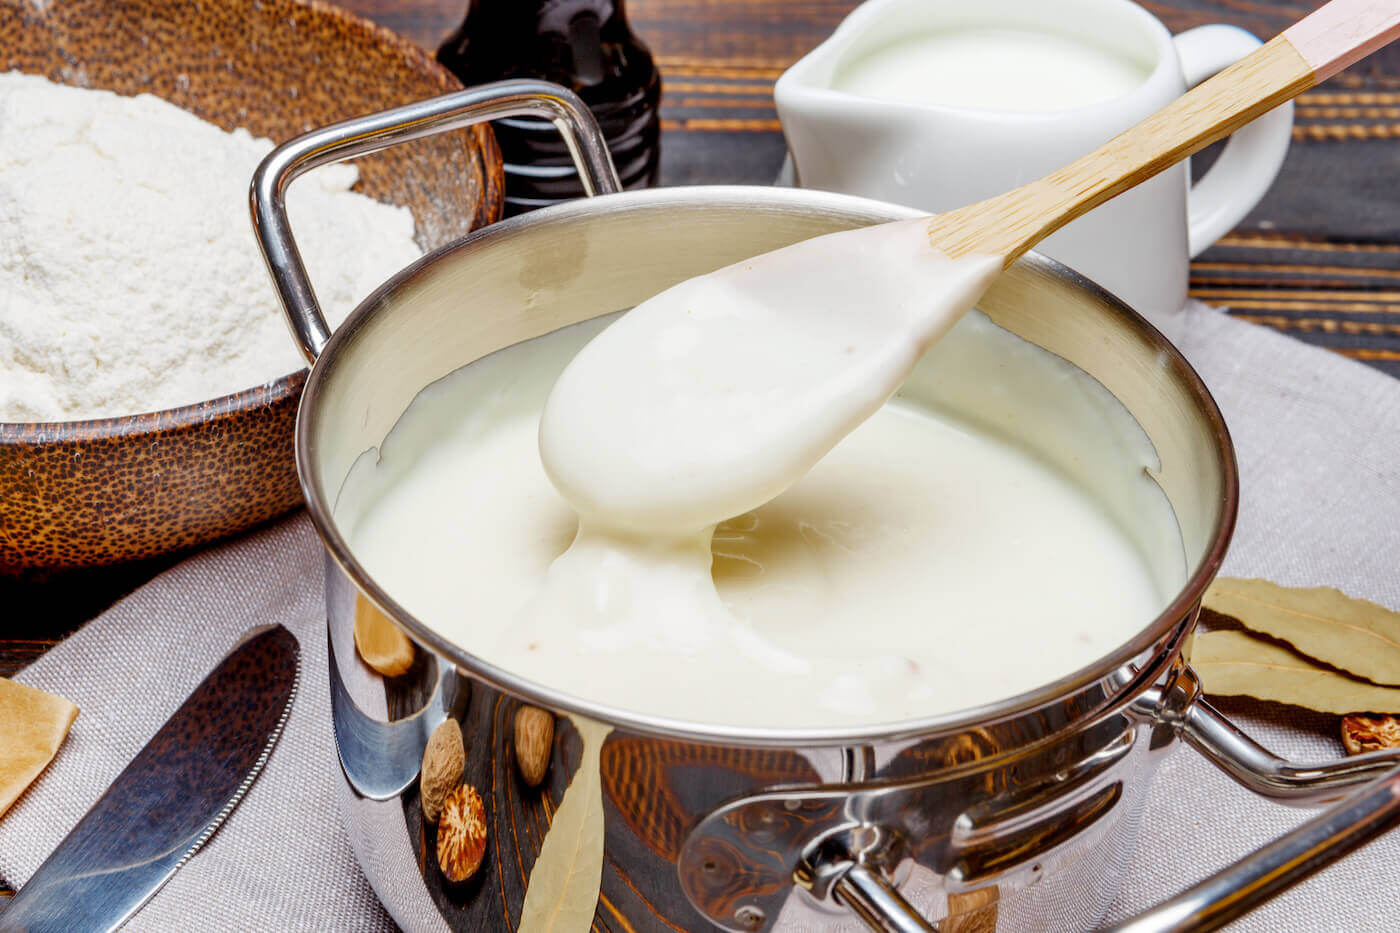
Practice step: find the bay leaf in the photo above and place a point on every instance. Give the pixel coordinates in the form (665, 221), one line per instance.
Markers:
(1241, 664)
(1323, 623)
(562, 894)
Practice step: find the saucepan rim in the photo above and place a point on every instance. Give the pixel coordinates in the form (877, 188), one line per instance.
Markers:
(320, 501)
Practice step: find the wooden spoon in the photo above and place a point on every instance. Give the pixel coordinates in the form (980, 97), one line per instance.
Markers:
(1312, 50)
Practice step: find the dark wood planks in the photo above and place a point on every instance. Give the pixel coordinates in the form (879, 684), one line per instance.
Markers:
(37, 610)
(1338, 189)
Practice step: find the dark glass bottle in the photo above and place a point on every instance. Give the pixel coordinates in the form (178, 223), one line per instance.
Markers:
(585, 45)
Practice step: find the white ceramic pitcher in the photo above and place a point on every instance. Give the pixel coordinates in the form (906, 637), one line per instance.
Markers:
(936, 157)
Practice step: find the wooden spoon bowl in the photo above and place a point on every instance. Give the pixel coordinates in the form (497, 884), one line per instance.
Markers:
(86, 493)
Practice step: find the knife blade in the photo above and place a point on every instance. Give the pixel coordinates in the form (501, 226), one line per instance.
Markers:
(171, 798)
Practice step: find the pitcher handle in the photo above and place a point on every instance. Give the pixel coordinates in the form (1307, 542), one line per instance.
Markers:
(362, 135)
(1254, 154)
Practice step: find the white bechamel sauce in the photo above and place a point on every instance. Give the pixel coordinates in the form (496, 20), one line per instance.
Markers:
(702, 404)
(992, 69)
(924, 565)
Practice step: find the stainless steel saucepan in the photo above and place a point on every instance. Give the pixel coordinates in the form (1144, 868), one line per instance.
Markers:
(1022, 813)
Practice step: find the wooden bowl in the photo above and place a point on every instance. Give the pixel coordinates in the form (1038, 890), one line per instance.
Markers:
(85, 493)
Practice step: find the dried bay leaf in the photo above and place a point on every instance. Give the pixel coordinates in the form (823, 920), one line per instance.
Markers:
(33, 724)
(1323, 623)
(1240, 664)
(562, 894)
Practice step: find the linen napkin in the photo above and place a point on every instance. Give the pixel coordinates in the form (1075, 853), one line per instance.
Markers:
(1318, 438)
(1318, 441)
(282, 860)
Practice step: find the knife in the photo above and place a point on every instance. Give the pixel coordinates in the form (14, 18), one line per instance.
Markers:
(170, 800)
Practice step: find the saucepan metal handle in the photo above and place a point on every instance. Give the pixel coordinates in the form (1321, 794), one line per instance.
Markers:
(366, 134)
(1229, 894)
(1344, 827)
(1180, 705)
(1372, 782)
(381, 759)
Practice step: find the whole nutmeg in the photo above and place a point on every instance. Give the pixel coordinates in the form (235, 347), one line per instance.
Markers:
(534, 739)
(461, 835)
(444, 758)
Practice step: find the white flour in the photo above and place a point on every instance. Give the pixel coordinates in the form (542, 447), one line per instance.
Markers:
(130, 280)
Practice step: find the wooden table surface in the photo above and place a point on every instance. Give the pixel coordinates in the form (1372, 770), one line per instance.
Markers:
(1319, 259)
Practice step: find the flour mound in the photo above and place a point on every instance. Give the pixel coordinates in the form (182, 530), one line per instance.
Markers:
(130, 279)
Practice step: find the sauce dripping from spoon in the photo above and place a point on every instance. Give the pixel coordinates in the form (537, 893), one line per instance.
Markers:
(708, 400)
(716, 395)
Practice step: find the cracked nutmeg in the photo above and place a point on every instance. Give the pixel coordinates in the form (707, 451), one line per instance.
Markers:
(1369, 732)
(461, 836)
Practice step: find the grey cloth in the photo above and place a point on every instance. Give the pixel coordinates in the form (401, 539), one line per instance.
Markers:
(1318, 439)
(282, 860)
(1319, 442)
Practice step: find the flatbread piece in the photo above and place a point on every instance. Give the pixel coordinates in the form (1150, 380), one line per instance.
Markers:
(33, 724)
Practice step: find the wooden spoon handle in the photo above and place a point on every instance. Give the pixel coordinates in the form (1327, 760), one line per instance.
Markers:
(1343, 32)
(1313, 49)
